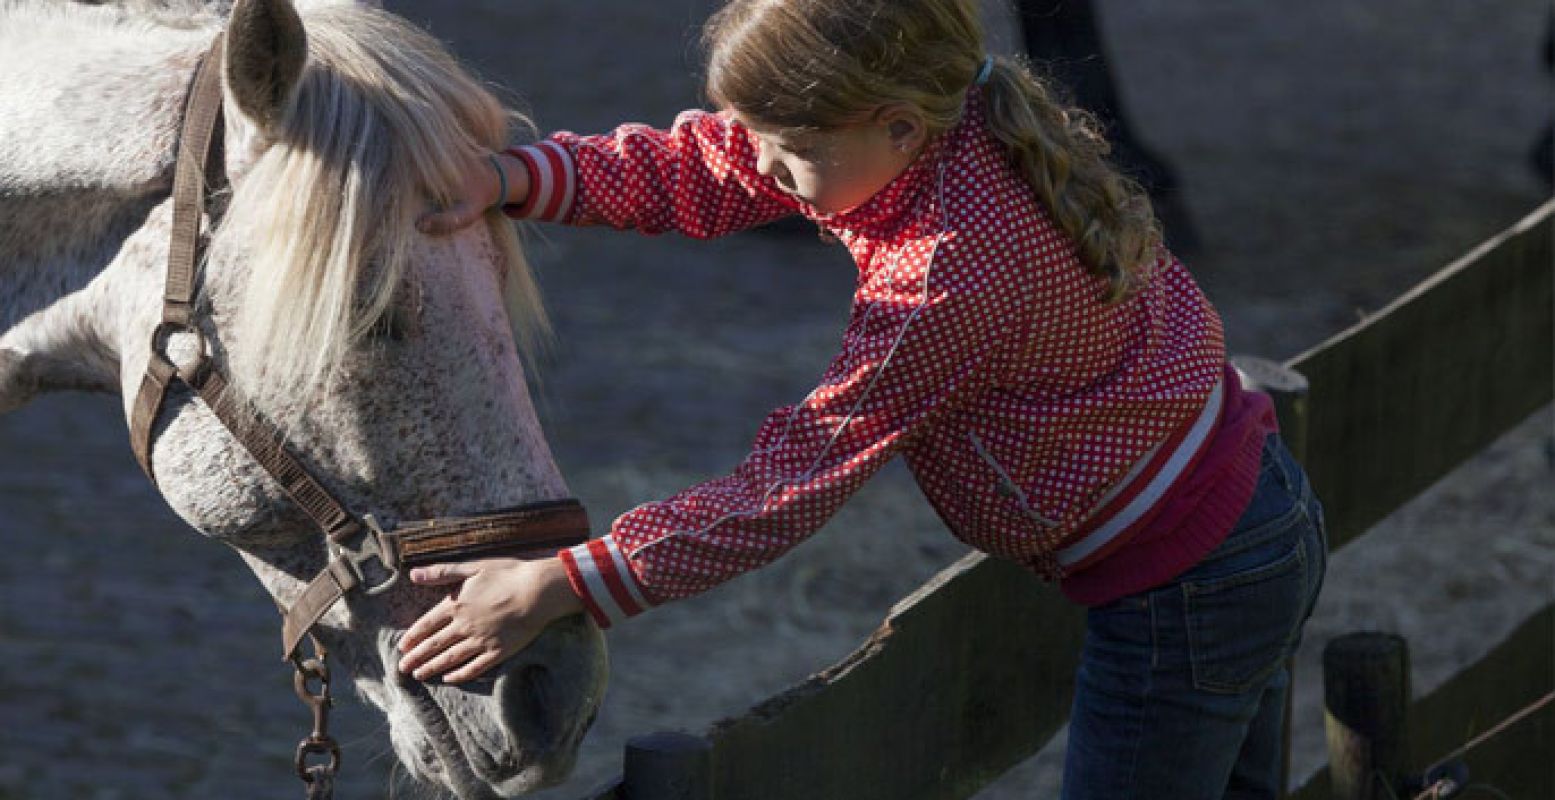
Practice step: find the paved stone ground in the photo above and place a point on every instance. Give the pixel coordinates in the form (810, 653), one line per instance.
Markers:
(1333, 153)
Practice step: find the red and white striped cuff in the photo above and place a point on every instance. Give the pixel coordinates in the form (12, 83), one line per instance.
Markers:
(598, 573)
(553, 182)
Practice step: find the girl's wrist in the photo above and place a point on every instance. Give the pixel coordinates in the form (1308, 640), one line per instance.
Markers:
(515, 177)
(559, 595)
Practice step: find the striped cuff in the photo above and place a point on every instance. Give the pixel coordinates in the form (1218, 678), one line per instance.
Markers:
(553, 182)
(598, 573)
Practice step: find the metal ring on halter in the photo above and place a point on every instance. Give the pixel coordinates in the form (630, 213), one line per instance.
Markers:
(162, 336)
(310, 746)
(310, 669)
(376, 543)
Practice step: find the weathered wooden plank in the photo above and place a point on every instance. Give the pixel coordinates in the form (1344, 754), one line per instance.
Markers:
(968, 675)
(1517, 672)
(1399, 400)
(668, 766)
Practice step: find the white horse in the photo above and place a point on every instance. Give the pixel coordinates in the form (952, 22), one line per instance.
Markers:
(387, 358)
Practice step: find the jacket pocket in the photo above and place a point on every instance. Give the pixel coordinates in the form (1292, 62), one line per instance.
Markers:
(1005, 485)
(1241, 626)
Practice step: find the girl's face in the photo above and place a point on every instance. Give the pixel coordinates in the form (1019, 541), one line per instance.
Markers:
(838, 169)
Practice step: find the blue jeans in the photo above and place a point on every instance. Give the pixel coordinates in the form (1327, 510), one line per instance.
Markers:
(1181, 689)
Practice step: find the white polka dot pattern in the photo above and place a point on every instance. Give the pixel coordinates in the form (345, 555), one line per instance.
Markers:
(978, 346)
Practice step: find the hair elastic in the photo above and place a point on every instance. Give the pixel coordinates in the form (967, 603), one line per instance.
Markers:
(982, 74)
(502, 181)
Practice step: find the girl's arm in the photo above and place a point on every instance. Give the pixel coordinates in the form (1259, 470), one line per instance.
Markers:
(919, 339)
(698, 178)
(916, 343)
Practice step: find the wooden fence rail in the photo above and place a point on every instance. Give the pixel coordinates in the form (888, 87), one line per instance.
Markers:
(1399, 400)
(974, 672)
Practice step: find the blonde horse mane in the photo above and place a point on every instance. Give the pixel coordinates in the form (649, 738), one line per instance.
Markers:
(379, 129)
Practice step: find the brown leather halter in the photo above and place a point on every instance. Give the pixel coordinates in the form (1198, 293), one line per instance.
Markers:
(355, 541)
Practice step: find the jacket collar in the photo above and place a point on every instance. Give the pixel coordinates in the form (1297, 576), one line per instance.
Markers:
(905, 197)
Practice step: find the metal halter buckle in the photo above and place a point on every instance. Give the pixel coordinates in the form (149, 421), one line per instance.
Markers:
(376, 544)
(162, 336)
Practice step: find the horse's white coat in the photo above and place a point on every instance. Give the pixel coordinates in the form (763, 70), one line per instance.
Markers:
(436, 422)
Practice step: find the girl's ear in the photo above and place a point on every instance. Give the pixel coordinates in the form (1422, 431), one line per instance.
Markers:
(904, 125)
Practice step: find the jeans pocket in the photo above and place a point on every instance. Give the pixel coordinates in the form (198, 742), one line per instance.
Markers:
(1240, 626)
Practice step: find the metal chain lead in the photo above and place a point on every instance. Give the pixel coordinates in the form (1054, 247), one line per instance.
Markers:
(319, 778)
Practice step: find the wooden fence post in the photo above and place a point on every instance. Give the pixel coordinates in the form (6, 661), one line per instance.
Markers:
(668, 766)
(1288, 388)
(1366, 700)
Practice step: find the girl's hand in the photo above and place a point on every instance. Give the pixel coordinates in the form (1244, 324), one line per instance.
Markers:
(496, 608)
(479, 189)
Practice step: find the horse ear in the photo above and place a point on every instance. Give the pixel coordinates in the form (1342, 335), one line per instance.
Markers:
(266, 50)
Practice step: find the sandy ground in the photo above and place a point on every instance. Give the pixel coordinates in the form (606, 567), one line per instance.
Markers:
(1333, 154)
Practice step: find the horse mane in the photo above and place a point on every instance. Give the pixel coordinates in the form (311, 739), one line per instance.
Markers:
(379, 128)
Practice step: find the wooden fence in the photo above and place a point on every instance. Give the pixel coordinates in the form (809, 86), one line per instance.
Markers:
(974, 672)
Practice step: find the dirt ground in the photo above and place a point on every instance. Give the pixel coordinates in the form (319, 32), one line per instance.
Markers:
(1332, 153)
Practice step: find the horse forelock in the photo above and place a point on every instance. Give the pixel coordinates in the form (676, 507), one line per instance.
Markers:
(379, 128)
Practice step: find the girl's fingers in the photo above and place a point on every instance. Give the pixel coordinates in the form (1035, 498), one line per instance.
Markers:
(477, 667)
(460, 652)
(441, 574)
(457, 217)
(428, 650)
(431, 622)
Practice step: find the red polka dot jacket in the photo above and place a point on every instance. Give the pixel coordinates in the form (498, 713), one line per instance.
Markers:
(1105, 445)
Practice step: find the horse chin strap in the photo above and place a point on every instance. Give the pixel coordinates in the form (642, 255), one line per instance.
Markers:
(365, 559)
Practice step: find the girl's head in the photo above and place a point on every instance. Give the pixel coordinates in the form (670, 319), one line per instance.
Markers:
(843, 93)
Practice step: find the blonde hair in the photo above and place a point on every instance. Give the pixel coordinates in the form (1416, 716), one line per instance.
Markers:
(380, 125)
(809, 65)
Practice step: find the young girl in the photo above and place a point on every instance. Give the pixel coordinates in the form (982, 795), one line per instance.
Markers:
(1054, 378)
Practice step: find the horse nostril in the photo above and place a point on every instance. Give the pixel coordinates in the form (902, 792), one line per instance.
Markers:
(526, 696)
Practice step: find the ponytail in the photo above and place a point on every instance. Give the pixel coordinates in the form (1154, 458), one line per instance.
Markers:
(1061, 151)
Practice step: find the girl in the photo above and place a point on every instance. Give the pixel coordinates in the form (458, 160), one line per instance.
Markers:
(1053, 376)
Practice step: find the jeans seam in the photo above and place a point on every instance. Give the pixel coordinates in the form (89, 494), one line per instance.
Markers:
(1263, 532)
(1144, 706)
(1194, 587)
(1155, 642)
(1281, 456)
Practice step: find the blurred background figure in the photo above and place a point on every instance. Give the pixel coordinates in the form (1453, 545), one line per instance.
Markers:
(1063, 40)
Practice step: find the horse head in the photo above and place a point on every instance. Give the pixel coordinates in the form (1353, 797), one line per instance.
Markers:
(387, 360)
